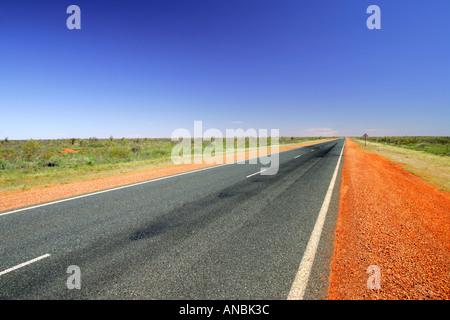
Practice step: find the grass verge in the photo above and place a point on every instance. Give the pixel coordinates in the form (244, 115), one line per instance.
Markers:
(433, 168)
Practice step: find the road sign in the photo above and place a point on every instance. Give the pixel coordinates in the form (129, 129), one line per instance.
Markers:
(365, 138)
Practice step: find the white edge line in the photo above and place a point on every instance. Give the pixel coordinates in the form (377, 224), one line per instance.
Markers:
(135, 184)
(302, 277)
(24, 264)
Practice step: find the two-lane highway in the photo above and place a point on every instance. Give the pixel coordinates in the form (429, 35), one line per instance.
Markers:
(225, 232)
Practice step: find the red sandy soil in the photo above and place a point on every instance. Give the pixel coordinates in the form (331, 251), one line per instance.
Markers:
(19, 198)
(67, 150)
(390, 218)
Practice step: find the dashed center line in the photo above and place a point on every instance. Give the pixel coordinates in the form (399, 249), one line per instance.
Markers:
(255, 173)
(24, 264)
(297, 156)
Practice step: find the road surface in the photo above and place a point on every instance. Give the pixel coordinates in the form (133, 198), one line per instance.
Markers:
(225, 232)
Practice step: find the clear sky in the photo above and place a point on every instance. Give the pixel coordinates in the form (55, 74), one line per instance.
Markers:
(145, 68)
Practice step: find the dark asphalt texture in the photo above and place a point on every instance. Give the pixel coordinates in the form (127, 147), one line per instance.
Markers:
(211, 234)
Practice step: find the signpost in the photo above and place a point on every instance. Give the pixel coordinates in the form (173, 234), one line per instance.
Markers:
(365, 138)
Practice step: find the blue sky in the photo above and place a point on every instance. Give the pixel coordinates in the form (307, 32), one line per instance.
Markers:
(145, 68)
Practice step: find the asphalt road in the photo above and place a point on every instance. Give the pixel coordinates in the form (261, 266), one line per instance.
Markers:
(210, 234)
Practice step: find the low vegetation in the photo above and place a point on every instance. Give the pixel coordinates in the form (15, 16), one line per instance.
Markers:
(434, 145)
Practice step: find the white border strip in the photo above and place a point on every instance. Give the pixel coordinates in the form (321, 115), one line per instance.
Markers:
(24, 264)
(302, 277)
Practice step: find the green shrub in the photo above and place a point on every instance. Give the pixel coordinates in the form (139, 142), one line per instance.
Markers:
(3, 164)
(136, 149)
(95, 145)
(119, 152)
(422, 145)
(30, 149)
(158, 153)
(5, 152)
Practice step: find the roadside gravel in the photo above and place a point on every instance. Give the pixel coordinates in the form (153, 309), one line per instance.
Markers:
(390, 218)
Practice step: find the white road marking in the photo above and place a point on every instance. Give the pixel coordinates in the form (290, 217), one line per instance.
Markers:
(301, 279)
(297, 156)
(256, 173)
(24, 264)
